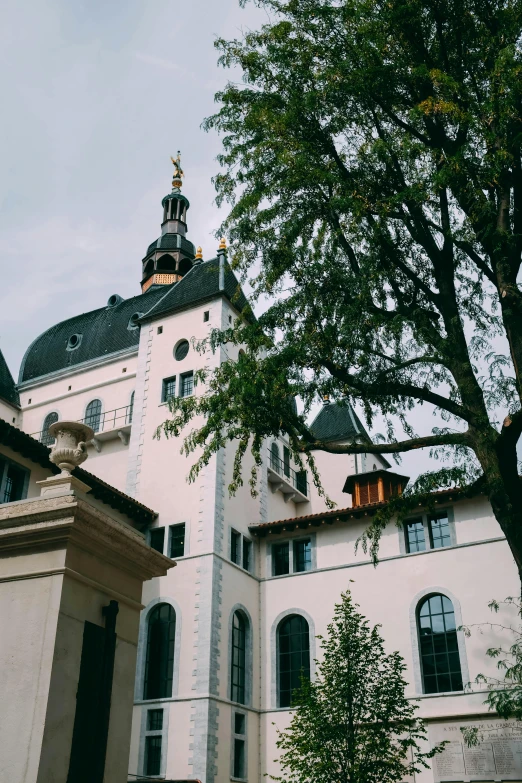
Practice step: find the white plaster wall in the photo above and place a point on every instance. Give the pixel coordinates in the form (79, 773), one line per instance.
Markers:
(333, 469)
(9, 413)
(107, 382)
(474, 574)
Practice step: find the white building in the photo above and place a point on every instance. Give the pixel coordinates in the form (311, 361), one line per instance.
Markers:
(255, 577)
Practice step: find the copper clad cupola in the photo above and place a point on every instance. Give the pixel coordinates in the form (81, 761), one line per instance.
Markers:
(172, 255)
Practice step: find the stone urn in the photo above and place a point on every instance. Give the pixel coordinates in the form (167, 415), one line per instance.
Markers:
(70, 446)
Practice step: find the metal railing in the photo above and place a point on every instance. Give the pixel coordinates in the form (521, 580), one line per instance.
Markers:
(105, 421)
(297, 478)
(109, 420)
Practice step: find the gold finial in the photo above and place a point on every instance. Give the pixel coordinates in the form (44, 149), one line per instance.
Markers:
(199, 254)
(177, 179)
(223, 244)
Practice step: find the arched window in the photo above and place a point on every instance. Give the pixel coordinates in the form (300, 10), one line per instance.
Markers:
(93, 415)
(238, 663)
(45, 437)
(439, 652)
(130, 410)
(293, 655)
(275, 458)
(159, 662)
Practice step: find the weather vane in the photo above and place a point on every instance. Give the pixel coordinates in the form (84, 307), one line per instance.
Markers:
(177, 179)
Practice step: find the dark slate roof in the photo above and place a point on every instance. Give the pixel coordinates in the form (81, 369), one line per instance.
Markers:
(8, 390)
(172, 242)
(106, 331)
(200, 283)
(35, 451)
(337, 421)
(102, 331)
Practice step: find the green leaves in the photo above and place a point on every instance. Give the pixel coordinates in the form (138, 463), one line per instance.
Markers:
(372, 164)
(353, 723)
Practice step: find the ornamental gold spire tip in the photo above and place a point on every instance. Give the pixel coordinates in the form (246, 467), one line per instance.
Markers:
(223, 244)
(177, 179)
(199, 254)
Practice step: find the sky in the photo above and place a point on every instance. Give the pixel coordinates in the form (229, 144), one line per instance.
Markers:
(98, 96)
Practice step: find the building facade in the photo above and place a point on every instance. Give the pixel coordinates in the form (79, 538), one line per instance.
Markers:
(225, 634)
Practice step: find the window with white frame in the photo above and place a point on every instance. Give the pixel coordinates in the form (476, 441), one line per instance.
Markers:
(292, 557)
(241, 550)
(431, 530)
(239, 755)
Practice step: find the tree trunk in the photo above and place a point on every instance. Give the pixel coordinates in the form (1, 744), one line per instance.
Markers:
(504, 491)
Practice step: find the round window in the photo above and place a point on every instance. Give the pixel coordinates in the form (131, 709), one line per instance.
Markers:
(181, 350)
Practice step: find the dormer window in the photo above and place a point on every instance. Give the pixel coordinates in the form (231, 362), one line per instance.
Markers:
(74, 342)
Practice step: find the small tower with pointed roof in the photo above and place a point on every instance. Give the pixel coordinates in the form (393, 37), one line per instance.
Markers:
(170, 256)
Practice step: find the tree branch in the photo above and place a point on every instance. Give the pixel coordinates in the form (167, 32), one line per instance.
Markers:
(391, 389)
(428, 441)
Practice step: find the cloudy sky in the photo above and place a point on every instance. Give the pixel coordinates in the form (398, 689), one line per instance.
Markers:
(97, 96)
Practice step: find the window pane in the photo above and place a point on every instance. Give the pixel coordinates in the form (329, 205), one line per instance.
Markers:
(293, 634)
(177, 540)
(239, 723)
(440, 660)
(439, 530)
(281, 559)
(238, 663)
(14, 483)
(415, 539)
(286, 460)
(239, 758)
(187, 384)
(182, 350)
(247, 552)
(235, 547)
(159, 663)
(275, 461)
(168, 389)
(152, 755)
(157, 538)
(93, 415)
(46, 438)
(302, 555)
(155, 720)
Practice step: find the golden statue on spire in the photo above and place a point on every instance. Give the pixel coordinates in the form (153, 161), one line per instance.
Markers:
(177, 179)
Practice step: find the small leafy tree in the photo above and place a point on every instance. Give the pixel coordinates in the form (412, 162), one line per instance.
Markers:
(353, 723)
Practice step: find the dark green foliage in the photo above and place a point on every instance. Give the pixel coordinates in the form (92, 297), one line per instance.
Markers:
(354, 724)
(372, 162)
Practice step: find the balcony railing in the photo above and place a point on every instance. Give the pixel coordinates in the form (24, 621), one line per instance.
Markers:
(109, 420)
(101, 422)
(296, 478)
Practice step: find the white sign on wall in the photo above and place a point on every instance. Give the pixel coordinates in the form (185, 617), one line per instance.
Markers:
(497, 757)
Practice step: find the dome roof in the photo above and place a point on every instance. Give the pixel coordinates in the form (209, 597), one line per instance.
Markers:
(101, 333)
(109, 330)
(172, 242)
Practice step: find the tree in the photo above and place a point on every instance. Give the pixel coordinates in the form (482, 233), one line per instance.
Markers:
(353, 723)
(372, 162)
